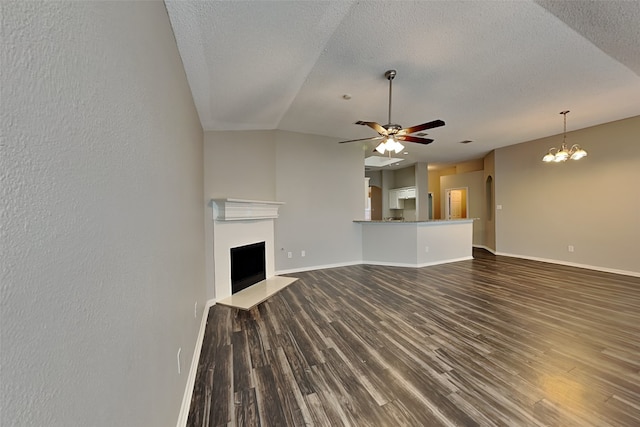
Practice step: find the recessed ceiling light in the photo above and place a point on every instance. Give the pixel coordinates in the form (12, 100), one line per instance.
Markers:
(466, 141)
(422, 134)
(406, 152)
(346, 96)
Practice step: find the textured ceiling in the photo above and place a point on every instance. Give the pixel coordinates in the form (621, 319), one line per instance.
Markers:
(498, 73)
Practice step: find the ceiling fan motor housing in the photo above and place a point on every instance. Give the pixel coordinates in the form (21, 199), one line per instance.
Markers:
(392, 128)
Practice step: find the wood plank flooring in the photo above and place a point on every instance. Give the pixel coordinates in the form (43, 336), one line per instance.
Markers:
(493, 341)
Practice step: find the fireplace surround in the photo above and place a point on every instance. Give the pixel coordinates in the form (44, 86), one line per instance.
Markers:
(237, 223)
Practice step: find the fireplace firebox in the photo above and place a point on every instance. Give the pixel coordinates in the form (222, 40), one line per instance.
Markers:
(247, 266)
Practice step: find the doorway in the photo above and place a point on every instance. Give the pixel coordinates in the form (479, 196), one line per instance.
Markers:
(456, 203)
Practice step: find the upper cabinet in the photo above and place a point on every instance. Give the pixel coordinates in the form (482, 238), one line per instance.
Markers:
(395, 201)
(410, 192)
(397, 196)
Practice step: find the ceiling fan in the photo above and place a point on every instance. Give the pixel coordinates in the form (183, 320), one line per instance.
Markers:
(391, 133)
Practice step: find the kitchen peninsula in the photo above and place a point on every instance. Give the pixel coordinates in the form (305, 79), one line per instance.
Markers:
(416, 243)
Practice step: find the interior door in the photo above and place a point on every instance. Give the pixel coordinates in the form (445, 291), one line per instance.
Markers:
(456, 203)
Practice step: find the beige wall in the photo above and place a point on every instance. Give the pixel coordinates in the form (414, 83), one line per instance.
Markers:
(592, 204)
(490, 198)
(470, 166)
(474, 183)
(434, 188)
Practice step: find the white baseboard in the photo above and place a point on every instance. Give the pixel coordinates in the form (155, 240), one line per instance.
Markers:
(317, 267)
(428, 264)
(389, 264)
(191, 379)
(385, 263)
(572, 264)
(424, 264)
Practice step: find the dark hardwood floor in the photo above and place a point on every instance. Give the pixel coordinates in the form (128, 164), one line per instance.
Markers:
(491, 341)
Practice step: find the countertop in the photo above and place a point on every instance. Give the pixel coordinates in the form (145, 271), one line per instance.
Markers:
(430, 221)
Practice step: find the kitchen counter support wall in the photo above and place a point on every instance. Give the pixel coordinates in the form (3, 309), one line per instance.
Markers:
(416, 244)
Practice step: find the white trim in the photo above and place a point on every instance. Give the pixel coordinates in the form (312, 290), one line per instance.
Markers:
(486, 248)
(573, 264)
(191, 379)
(318, 267)
(384, 263)
(240, 209)
(446, 261)
(424, 264)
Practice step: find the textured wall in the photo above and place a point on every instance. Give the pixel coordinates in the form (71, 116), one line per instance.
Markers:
(240, 165)
(591, 204)
(319, 180)
(102, 253)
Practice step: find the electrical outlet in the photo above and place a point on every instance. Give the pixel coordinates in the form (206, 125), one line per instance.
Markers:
(289, 255)
(426, 248)
(178, 357)
(570, 248)
(303, 253)
(499, 207)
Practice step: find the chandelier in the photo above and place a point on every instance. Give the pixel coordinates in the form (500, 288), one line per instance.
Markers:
(563, 154)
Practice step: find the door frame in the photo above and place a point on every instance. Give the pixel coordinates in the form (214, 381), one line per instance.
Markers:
(447, 201)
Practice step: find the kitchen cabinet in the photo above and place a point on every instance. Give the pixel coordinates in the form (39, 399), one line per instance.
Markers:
(397, 196)
(395, 199)
(410, 193)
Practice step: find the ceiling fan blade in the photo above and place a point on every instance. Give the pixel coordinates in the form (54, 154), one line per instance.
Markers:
(424, 126)
(375, 126)
(410, 138)
(362, 139)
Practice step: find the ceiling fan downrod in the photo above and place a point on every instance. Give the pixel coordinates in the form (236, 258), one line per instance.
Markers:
(390, 75)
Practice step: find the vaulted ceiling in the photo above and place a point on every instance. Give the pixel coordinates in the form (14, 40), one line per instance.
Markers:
(498, 73)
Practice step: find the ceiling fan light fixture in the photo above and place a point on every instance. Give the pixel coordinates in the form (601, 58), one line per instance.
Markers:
(390, 144)
(389, 131)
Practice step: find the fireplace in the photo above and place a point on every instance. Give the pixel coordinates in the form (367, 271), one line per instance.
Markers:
(238, 223)
(242, 249)
(247, 266)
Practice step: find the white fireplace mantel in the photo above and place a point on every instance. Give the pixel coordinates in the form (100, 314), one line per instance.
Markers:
(239, 222)
(240, 209)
